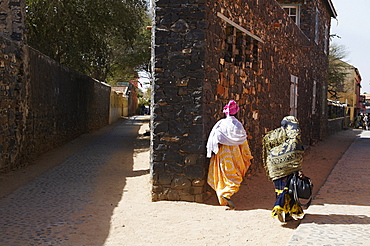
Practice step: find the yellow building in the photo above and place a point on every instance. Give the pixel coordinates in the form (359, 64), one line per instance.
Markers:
(349, 92)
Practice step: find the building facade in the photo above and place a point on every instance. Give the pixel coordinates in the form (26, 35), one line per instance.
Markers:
(349, 92)
(365, 104)
(270, 56)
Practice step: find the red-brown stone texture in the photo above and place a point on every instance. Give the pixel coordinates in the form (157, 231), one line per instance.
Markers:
(248, 51)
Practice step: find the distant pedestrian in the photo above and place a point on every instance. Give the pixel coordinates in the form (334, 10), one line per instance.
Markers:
(357, 121)
(366, 122)
(147, 109)
(282, 157)
(231, 158)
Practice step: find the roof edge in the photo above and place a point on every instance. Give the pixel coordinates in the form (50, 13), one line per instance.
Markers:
(333, 13)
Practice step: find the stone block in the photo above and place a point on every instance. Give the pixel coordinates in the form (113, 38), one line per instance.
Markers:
(180, 26)
(197, 74)
(160, 127)
(194, 172)
(199, 198)
(191, 159)
(164, 178)
(173, 195)
(174, 167)
(172, 156)
(162, 196)
(198, 182)
(195, 35)
(180, 183)
(157, 188)
(196, 190)
(178, 128)
(182, 82)
(158, 167)
(177, 55)
(195, 65)
(187, 197)
(192, 148)
(155, 196)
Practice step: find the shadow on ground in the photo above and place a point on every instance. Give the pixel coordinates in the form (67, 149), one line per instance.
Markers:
(72, 203)
(111, 181)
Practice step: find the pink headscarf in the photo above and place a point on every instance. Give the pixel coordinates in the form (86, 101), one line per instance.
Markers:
(231, 108)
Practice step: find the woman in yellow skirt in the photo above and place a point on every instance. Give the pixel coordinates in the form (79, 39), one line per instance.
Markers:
(231, 158)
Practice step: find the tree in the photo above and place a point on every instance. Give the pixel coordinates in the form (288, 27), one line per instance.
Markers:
(337, 70)
(90, 36)
(132, 57)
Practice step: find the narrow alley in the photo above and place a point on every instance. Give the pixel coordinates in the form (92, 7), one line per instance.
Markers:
(52, 208)
(99, 194)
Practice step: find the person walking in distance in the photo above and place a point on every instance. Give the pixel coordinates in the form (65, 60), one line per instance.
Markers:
(366, 121)
(231, 156)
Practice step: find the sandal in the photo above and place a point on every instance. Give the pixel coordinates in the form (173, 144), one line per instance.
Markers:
(230, 204)
(281, 217)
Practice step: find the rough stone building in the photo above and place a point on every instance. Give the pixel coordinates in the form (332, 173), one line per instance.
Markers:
(270, 56)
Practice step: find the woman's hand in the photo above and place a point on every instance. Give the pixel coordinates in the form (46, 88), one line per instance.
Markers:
(300, 174)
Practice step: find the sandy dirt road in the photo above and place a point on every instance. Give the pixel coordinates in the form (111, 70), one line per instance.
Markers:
(120, 210)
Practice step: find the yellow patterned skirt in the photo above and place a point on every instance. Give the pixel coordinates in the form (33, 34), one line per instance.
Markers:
(227, 169)
(284, 202)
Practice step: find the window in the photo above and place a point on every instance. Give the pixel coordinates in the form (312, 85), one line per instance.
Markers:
(293, 12)
(241, 50)
(293, 95)
(323, 99)
(326, 45)
(367, 102)
(314, 98)
(241, 46)
(317, 26)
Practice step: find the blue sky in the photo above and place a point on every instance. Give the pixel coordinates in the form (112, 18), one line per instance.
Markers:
(352, 25)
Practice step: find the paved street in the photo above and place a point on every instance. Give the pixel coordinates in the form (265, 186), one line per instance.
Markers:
(340, 213)
(65, 207)
(47, 210)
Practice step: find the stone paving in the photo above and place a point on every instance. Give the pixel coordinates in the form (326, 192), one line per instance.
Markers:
(46, 211)
(340, 212)
(43, 211)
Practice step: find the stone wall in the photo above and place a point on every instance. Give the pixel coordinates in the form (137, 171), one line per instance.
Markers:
(13, 101)
(44, 104)
(13, 82)
(338, 124)
(12, 13)
(205, 53)
(62, 104)
(178, 159)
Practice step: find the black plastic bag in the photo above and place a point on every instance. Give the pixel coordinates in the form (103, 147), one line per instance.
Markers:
(301, 188)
